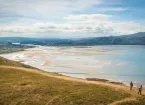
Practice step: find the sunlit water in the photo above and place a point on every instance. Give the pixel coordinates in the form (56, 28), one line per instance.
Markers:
(119, 63)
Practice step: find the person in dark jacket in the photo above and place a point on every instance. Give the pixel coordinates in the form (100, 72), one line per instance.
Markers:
(140, 90)
(131, 85)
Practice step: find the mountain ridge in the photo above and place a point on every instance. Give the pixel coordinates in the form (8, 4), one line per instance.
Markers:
(132, 39)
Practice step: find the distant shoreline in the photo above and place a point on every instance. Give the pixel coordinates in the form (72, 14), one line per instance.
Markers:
(105, 80)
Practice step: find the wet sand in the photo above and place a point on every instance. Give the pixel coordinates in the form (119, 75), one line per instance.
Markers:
(75, 68)
(46, 63)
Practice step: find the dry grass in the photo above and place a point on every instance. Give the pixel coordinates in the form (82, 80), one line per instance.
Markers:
(26, 88)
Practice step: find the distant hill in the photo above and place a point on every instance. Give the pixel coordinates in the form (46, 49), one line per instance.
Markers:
(139, 34)
(133, 39)
(8, 47)
(14, 39)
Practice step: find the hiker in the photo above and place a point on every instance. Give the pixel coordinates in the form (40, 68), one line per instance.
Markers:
(131, 85)
(140, 90)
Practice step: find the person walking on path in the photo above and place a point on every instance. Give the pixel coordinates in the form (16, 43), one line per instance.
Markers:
(140, 90)
(131, 85)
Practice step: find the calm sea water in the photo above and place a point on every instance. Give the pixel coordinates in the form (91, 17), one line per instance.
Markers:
(127, 64)
(121, 63)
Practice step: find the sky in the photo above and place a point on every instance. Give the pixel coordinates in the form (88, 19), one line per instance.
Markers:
(71, 18)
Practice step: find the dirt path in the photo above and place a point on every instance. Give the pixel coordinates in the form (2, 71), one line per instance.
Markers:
(124, 100)
(53, 75)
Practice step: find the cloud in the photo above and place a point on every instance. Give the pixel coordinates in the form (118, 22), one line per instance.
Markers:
(63, 18)
(85, 25)
(49, 9)
(87, 17)
(44, 8)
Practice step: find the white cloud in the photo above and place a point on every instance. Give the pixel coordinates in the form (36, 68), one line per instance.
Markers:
(87, 17)
(49, 9)
(84, 25)
(44, 8)
(58, 18)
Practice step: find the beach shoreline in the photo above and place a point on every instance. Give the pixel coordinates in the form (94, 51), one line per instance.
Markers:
(38, 58)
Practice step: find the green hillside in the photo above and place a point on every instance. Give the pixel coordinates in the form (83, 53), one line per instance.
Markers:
(20, 87)
(24, 88)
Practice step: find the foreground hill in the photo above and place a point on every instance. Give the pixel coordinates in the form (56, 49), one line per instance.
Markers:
(27, 86)
(133, 39)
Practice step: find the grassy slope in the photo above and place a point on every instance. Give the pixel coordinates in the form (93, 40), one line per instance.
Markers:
(4, 61)
(20, 87)
(25, 88)
(140, 101)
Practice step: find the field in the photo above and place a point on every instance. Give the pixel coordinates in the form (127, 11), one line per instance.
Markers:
(9, 47)
(27, 86)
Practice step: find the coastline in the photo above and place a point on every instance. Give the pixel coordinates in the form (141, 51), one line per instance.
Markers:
(106, 81)
(46, 63)
(123, 89)
(98, 81)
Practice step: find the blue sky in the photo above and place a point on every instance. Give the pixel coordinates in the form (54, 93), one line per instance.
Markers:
(71, 18)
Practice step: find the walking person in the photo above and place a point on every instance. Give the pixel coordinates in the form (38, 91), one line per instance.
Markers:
(140, 90)
(131, 85)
